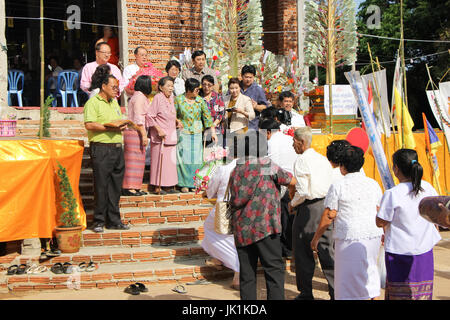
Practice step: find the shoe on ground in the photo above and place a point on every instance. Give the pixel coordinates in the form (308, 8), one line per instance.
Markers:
(302, 296)
(184, 190)
(119, 226)
(98, 228)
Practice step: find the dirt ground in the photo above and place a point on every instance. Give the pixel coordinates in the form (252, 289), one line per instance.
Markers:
(220, 290)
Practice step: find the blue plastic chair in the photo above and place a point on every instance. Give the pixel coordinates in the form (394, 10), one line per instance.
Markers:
(15, 77)
(67, 85)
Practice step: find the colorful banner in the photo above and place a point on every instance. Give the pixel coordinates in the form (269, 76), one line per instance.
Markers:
(356, 84)
(380, 104)
(441, 113)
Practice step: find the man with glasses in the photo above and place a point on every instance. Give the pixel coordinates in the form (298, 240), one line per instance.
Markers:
(140, 54)
(102, 54)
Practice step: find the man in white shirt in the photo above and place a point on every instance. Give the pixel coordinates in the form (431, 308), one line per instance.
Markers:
(140, 53)
(314, 176)
(282, 153)
(102, 54)
(286, 102)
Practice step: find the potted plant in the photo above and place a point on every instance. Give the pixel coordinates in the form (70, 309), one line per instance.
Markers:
(68, 233)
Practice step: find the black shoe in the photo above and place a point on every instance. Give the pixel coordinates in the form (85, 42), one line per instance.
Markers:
(140, 192)
(119, 226)
(53, 253)
(302, 296)
(128, 193)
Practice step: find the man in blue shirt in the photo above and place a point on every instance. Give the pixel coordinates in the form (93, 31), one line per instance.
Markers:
(252, 90)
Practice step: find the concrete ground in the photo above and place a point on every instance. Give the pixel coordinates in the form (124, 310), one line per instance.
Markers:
(220, 290)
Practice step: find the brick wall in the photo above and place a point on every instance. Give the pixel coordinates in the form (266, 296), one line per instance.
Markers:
(287, 20)
(161, 25)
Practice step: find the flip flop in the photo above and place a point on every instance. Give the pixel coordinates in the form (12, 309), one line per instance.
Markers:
(132, 289)
(67, 268)
(82, 266)
(32, 269)
(40, 269)
(92, 266)
(12, 269)
(57, 268)
(179, 289)
(141, 287)
(22, 269)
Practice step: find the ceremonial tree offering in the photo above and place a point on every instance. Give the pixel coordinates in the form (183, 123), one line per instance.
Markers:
(281, 73)
(233, 35)
(68, 233)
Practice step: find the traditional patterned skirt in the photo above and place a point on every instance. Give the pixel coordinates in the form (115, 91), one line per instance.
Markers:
(409, 277)
(189, 158)
(134, 160)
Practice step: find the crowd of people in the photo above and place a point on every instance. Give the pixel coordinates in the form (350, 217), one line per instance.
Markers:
(286, 199)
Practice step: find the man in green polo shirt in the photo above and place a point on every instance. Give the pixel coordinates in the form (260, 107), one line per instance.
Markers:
(105, 146)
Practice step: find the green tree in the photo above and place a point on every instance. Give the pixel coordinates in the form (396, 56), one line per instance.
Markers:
(422, 19)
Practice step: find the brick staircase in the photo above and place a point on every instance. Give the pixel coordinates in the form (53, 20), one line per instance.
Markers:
(162, 245)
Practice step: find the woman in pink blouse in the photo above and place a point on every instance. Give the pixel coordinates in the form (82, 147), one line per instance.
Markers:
(135, 142)
(162, 123)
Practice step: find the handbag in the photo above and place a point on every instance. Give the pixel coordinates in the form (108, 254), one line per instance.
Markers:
(222, 219)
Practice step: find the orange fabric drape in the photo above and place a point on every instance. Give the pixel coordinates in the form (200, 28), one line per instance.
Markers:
(320, 143)
(29, 204)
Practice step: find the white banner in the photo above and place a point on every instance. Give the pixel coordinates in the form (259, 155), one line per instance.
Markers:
(383, 124)
(434, 108)
(444, 89)
(343, 100)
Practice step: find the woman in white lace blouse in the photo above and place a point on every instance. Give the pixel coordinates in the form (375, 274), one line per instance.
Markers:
(352, 203)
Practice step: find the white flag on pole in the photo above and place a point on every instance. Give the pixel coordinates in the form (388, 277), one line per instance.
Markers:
(380, 103)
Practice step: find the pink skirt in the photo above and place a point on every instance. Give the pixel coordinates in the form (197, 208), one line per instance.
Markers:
(169, 176)
(134, 160)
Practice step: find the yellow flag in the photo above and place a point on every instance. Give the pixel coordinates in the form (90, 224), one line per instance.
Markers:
(404, 121)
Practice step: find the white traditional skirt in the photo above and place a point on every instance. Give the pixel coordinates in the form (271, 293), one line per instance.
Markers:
(219, 246)
(356, 275)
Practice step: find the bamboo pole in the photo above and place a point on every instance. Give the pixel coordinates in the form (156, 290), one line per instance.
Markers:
(41, 120)
(331, 59)
(402, 57)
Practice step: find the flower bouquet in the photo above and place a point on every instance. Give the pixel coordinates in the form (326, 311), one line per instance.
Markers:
(147, 70)
(212, 160)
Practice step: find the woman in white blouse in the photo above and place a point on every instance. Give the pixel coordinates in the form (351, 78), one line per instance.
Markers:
(409, 238)
(239, 108)
(219, 246)
(352, 203)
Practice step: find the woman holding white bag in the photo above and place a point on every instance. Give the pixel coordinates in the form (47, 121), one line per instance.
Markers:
(220, 246)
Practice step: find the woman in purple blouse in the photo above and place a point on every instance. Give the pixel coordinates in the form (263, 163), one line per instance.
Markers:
(215, 105)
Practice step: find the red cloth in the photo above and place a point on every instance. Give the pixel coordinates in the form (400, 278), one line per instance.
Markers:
(114, 44)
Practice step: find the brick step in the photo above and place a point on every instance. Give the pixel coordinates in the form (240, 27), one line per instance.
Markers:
(112, 255)
(159, 214)
(110, 275)
(146, 235)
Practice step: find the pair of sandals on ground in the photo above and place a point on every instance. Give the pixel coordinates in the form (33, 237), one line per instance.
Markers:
(23, 268)
(68, 268)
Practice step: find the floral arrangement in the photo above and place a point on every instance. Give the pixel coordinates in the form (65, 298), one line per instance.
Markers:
(211, 162)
